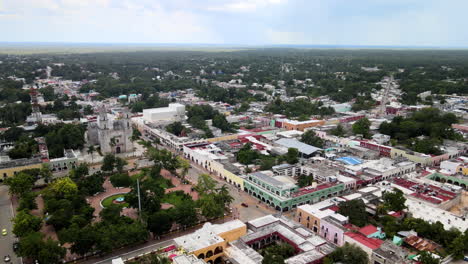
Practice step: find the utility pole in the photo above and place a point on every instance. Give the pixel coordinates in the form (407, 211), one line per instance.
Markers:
(139, 199)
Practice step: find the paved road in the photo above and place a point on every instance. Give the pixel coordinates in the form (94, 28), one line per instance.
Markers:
(136, 252)
(6, 214)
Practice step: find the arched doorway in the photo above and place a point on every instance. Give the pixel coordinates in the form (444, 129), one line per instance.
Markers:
(218, 250)
(218, 260)
(209, 254)
(117, 150)
(201, 256)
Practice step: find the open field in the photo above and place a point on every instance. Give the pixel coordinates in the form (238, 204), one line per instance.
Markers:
(69, 48)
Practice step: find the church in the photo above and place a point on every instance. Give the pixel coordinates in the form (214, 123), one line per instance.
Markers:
(112, 132)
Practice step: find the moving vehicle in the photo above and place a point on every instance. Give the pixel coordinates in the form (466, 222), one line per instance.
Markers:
(7, 258)
(244, 204)
(4, 232)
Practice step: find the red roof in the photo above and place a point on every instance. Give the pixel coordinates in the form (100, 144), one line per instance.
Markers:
(368, 230)
(396, 214)
(308, 189)
(371, 243)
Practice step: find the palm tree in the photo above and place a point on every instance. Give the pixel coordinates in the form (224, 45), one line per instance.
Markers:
(112, 143)
(224, 195)
(184, 165)
(91, 151)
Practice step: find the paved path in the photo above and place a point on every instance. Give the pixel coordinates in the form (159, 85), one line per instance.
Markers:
(109, 190)
(6, 214)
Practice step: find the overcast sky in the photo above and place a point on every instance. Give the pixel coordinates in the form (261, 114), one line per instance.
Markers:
(255, 22)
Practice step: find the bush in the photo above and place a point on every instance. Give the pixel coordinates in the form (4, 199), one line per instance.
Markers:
(121, 180)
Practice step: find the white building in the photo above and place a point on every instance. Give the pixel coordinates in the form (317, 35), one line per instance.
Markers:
(174, 112)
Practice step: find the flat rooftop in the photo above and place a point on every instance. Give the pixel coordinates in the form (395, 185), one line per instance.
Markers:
(274, 181)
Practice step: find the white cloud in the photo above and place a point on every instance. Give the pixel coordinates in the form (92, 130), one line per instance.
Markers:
(245, 5)
(285, 37)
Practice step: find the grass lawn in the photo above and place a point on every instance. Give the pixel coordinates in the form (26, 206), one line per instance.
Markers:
(108, 201)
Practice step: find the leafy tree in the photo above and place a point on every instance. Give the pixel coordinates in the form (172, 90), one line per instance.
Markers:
(62, 188)
(426, 258)
(25, 147)
(112, 236)
(111, 213)
(349, 254)
(205, 184)
(361, 127)
(223, 196)
(24, 223)
(45, 173)
(91, 185)
(305, 180)
(390, 225)
(185, 213)
(309, 137)
(27, 201)
(160, 222)
(20, 183)
(108, 163)
(394, 200)
(91, 150)
(458, 247)
(210, 208)
(120, 164)
(267, 162)
(246, 155)
(176, 128)
(120, 180)
(243, 107)
(219, 121)
(338, 131)
(273, 259)
(184, 165)
(164, 159)
(79, 172)
(13, 134)
(88, 110)
(292, 156)
(33, 246)
(151, 194)
(355, 210)
(278, 253)
(83, 239)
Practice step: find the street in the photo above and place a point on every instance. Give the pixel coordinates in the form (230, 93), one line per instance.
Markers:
(6, 214)
(254, 209)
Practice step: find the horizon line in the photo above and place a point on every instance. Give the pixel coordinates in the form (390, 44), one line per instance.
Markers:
(233, 45)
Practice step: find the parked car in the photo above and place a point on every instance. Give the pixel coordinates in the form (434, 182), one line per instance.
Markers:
(244, 204)
(4, 232)
(7, 258)
(15, 246)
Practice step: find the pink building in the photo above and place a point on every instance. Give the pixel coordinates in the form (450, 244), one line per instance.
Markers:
(332, 228)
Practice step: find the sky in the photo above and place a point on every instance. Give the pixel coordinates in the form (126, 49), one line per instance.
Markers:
(436, 23)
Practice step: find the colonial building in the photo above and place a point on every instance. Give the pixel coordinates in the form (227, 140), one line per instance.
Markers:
(112, 132)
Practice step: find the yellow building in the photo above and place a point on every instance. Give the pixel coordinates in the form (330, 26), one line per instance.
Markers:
(12, 167)
(221, 171)
(309, 215)
(415, 157)
(210, 242)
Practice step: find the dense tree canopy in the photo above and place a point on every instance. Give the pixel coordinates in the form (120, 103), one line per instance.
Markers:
(355, 210)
